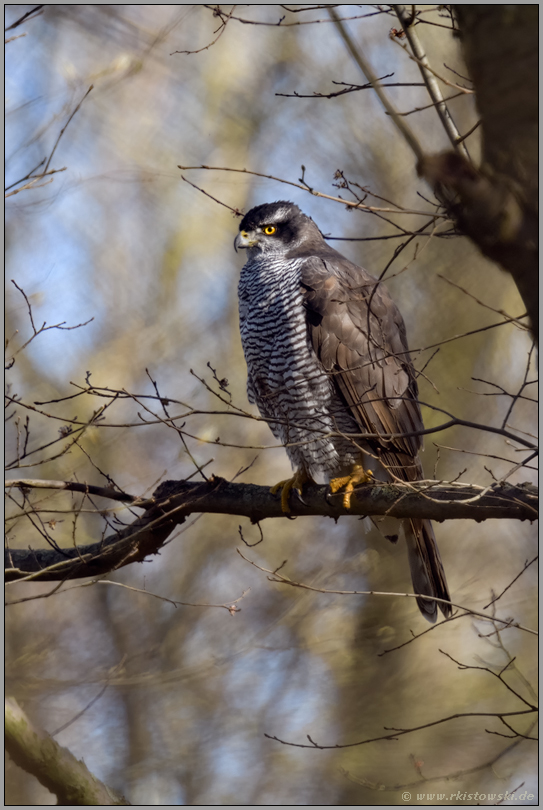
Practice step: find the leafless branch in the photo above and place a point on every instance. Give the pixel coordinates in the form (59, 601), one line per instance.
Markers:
(71, 486)
(498, 675)
(32, 182)
(429, 107)
(65, 127)
(238, 413)
(487, 306)
(525, 383)
(217, 11)
(430, 81)
(518, 576)
(33, 178)
(111, 674)
(395, 733)
(56, 768)
(43, 327)
(313, 192)
(469, 132)
(26, 17)
(406, 132)
(275, 576)
(17, 36)
(422, 64)
(445, 777)
(174, 501)
(352, 88)
(225, 19)
(236, 212)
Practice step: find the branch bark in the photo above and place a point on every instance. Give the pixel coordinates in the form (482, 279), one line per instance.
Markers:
(55, 767)
(174, 501)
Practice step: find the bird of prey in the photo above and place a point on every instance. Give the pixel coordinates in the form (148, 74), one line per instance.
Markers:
(328, 365)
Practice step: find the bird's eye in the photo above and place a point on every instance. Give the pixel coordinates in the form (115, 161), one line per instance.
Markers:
(269, 230)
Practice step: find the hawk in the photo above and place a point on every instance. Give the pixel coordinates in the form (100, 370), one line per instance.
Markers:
(329, 369)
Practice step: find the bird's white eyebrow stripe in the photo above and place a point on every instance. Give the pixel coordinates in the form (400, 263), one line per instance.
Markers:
(279, 216)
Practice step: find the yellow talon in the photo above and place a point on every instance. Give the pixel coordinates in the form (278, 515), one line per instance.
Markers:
(296, 482)
(358, 476)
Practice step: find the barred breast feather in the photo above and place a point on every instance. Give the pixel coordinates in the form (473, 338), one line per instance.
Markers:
(285, 378)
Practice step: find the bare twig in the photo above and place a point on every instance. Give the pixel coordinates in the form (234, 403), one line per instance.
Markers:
(367, 70)
(487, 306)
(275, 576)
(420, 63)
(522, 387)
(281, 24)
(111, 674)
(429, 107)
(32, 13)
(225, 19)
(17, 36)
(453, 421)
(498, 675)
(313, 192)
(65, 127)
(351, 88)
(469, 132)
(518, 576)
(430, 81)
(400, 732)
(445, 777)
(32, 183)
(235, 211)
(43, 327)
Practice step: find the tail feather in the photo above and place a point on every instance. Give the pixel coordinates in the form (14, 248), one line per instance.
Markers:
(426, 567)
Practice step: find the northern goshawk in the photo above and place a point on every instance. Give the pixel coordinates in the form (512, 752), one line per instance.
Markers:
(328, 364)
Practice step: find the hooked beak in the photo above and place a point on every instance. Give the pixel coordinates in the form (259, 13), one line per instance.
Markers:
(244, 240)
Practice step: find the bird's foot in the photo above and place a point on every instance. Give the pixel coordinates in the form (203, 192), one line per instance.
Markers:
(358, 476)
(296, 482)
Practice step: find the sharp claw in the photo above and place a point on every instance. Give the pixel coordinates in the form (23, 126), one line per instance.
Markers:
(295, 483)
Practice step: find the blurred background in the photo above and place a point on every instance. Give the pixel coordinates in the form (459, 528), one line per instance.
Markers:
(184, 696)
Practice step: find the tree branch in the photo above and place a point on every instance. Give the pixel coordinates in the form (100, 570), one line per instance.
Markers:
(405, 130)
(497, 204)
(430, 80)
(174, 501)
(55, 767)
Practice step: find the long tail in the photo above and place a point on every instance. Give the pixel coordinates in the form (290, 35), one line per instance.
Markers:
(426, 567)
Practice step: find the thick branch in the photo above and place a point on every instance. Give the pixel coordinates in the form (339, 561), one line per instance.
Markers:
(54, 767)
(497, 205)
(174, 501)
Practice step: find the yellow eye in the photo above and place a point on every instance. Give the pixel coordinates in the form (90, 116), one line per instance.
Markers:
(269, 230)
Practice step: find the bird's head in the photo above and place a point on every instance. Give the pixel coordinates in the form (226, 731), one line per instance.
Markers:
(279, 228)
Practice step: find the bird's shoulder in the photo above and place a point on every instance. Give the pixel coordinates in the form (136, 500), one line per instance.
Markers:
(336, 288)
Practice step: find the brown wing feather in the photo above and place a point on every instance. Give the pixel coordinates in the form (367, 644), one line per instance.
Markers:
(359, 335)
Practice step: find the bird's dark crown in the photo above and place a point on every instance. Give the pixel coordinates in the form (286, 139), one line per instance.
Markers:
(280, 211)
